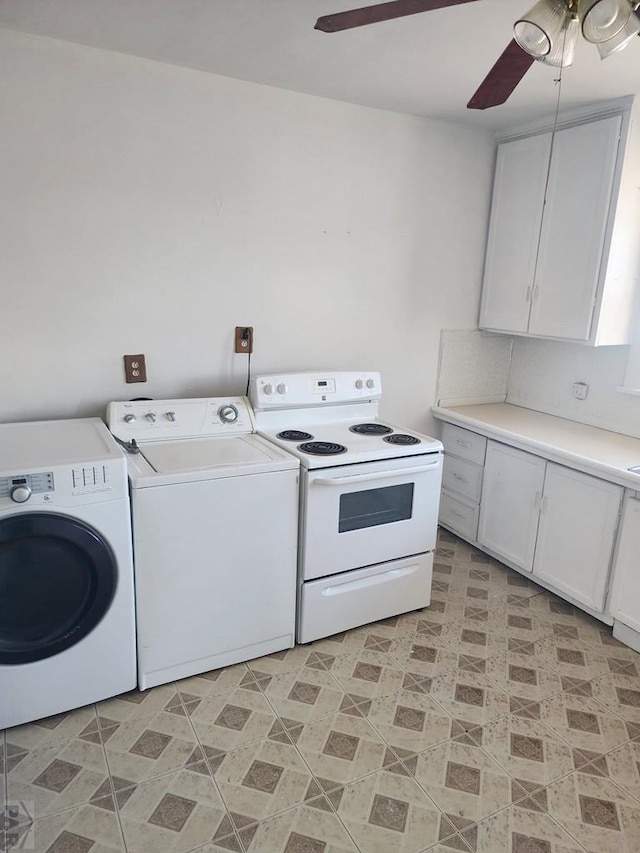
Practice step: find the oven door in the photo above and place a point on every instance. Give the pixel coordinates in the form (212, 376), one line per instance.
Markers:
(360, 515)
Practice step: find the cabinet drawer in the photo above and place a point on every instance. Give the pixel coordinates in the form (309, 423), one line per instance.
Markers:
(462, 477)
(463, 443)
(459, 515)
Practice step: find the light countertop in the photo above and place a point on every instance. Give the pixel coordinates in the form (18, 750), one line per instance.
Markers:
(596, 451)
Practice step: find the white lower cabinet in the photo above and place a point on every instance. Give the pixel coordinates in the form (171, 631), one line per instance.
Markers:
(576, 534)
(553, 521)
(511, 494)
(625, 593)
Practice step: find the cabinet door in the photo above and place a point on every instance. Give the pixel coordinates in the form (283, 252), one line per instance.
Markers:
(625, 596)
(514, 231)
(578, 521)
(511, 492)
(574, 223)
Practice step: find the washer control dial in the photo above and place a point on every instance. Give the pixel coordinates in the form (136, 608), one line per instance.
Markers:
(150, 416)
(228, 414)
(370, 383)
(20, 493)
(268, 389)
(282, 388)
(171, 416)
(359, 384)
(129, 418)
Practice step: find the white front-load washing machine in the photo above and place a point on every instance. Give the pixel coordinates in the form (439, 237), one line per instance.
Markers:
(67, 614)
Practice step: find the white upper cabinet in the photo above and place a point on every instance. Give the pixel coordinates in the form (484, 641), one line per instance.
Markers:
(562, 253)
(516, 217)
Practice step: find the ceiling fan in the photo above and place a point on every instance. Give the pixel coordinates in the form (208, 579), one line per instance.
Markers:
(548, 32)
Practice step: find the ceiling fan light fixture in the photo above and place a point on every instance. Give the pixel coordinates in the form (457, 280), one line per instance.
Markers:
(621, 39)
(548, 32)
(602, 20)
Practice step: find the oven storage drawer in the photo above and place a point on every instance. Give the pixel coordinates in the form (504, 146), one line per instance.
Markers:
(343, 601)
(463, 443)
(459, 515)
(462, 477)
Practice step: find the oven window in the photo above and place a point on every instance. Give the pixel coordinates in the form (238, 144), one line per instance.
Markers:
(375, 506)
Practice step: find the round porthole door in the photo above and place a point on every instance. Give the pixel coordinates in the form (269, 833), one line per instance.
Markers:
(57, 580)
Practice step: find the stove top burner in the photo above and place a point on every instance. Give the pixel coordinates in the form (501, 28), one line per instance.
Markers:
(370, 429)
(322, 448)
(294, 435)
(401, 438)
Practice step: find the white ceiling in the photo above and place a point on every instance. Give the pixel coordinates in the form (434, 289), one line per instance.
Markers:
(426, 65)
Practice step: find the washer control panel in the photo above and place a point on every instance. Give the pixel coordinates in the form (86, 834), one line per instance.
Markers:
(20, 487)
(159, 420)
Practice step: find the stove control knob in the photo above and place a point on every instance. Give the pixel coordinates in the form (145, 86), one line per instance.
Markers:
(129, 418)
(268, 389)
(150, 416)
(20, 493)
(370, 383)
(282, 388)
(359, 384)
(171, 416)
(228, 414)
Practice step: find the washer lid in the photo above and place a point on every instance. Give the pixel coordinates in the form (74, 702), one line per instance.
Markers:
(174, 457)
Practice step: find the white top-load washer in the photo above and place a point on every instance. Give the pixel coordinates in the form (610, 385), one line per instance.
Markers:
(67, 634)
(215, 515)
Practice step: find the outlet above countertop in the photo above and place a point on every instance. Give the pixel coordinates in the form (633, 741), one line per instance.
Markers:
(595, 451)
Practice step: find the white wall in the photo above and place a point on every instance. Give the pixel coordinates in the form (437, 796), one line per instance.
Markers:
(542, 373)
(149, 208)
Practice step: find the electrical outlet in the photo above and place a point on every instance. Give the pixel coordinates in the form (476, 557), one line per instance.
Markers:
(244, 339)
(579, 390)
(135, 369)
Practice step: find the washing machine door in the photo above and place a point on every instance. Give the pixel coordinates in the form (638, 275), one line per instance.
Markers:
(58, 577)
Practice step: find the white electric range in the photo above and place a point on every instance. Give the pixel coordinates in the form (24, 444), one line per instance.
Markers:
(369, 498)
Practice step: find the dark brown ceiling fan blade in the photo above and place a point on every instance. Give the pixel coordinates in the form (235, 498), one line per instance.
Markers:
(381, 12)
(503, 78)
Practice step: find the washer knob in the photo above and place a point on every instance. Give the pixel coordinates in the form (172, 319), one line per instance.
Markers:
(282, 388)
(171, 416)
(129, 418)
(359, 384)
(228, 414)
(268, 389)
(150, 416)
(370, 383)
(21, 493)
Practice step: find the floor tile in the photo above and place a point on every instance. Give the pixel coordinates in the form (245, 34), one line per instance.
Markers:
(467, 637)
(367, 673)
(262, 779)
(469, 695)
(388, 811)
(213, 682)
(146, 747)
(583, 723)
(58, 777)
(520, 625)
(284, 661)
(622, 765)
(304, 829)
(520, 830)
(464, 781)
(409, 720)
(341, 748)
(620, 693)
(596, 812)
(232, 719)
(423, 654)
(530, 753)
(174, 814)
(138, 703)
(92, 826)
(522, 674)
(52, 730)
(306, 694)
(571, 657)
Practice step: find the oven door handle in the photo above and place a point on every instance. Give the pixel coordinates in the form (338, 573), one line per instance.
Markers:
(372, 580)
(380, 475)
